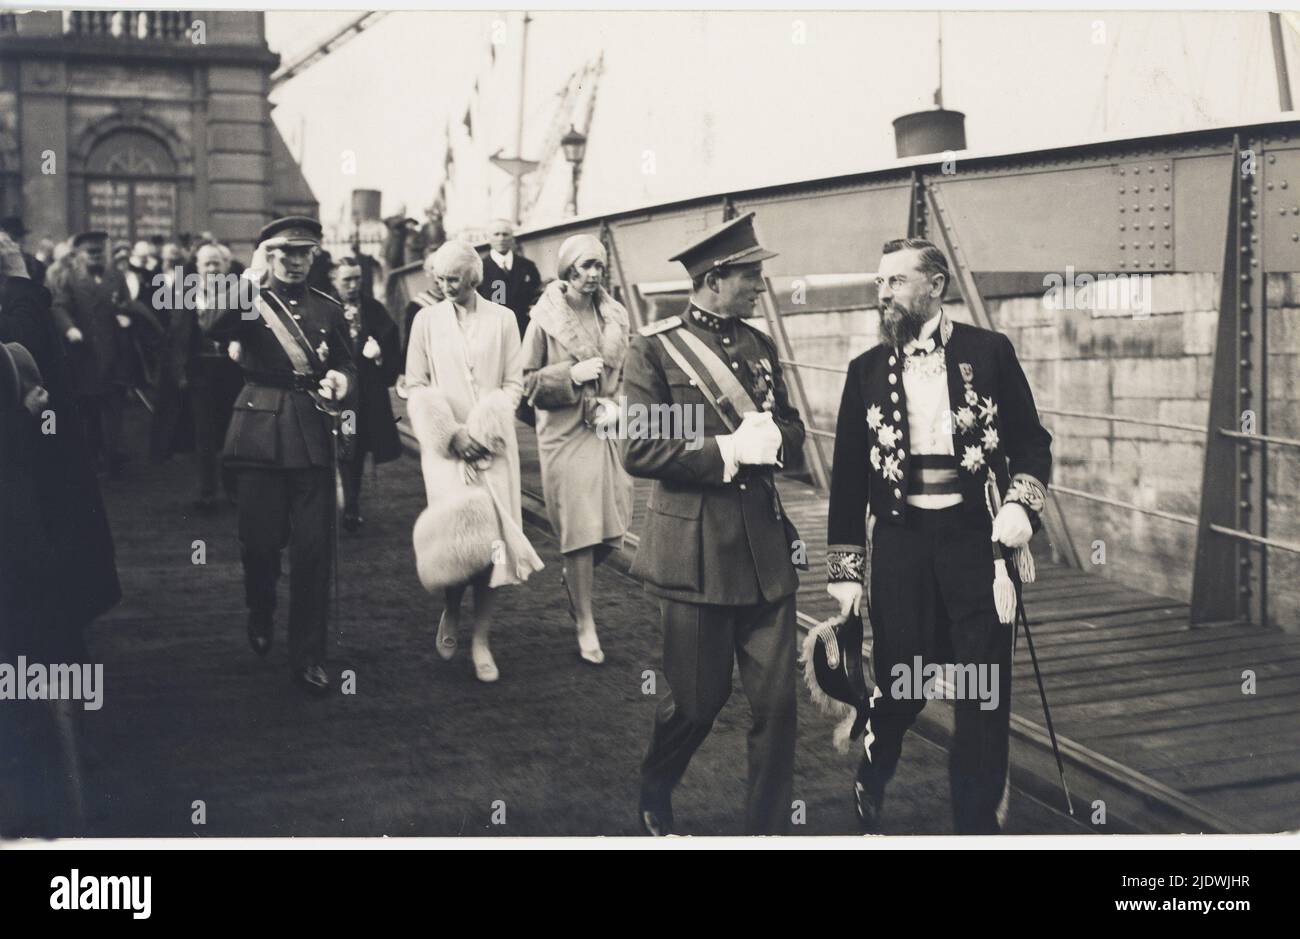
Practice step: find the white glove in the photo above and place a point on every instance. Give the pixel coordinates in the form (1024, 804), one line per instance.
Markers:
(334, 386)
(608, 414)
(848, 594)
(73, 334)
(259, 267)
(36, 400)
(371, 349)
(757, 440)
(1011, 527)
(235, 351)
(587, 370)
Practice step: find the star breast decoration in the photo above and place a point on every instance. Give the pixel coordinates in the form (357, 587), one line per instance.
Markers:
(323, 350)
(982, 429)
(874, 417)
(888, 436)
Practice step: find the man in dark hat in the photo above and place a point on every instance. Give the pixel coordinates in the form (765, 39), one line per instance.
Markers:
(938, 437)
(96, 316)
(12, 225)
(297, 368)
(717, 550)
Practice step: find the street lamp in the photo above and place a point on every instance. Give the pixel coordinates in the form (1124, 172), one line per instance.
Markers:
(574, 144)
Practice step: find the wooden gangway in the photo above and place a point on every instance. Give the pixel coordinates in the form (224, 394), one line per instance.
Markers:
(1149, 711)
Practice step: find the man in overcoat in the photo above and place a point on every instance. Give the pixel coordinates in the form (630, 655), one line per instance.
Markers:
(932, 420)
(717, 550)
(376, 349)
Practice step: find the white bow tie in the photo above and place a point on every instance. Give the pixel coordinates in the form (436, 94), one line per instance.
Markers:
(918, 347)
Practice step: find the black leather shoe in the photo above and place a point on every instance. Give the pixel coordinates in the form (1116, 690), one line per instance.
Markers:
(260, 627)
(352, 523)
(656, 821)
(868, 798)
(313, 679)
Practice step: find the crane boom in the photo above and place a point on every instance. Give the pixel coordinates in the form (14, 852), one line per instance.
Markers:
(336, 40)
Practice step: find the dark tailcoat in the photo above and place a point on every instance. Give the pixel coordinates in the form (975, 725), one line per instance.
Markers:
(706, 541)
(75, 526)
(276, 424)
(517, 288)
(376, 429)
(996, 397)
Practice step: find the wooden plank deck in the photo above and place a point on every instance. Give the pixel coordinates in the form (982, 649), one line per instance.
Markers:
(1139, 697)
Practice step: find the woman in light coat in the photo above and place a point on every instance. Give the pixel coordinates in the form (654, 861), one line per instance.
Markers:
(573, 369)
(464, 383)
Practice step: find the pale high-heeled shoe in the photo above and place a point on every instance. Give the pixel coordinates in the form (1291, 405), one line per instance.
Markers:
(591, 654)
(445, 642)
(485, 669)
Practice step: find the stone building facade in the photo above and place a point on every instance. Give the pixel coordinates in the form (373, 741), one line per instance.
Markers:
(143, 124)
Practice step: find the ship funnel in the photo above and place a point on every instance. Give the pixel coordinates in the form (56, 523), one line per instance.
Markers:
(934, 131)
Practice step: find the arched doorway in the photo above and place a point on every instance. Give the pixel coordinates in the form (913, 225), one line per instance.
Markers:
(131, 187)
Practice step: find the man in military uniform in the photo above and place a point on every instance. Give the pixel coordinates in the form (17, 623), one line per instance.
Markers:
(717, 548)
(937, 426)
(294, 353)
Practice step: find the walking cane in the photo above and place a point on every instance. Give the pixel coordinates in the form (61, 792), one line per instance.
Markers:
(993, 500)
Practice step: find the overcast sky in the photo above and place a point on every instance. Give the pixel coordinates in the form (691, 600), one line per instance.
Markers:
(724, 101)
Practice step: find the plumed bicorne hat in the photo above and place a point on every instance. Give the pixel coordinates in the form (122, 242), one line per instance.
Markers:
(833, 670)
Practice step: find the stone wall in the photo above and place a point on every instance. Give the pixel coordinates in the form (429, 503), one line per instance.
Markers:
(1112, 361)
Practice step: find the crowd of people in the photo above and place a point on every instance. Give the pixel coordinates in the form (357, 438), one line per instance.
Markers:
(281, 378)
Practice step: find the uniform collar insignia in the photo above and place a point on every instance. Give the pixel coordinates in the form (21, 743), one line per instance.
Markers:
(712, 321)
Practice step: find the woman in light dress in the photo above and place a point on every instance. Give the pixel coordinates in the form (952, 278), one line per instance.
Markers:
(573, 354)
(464, 382)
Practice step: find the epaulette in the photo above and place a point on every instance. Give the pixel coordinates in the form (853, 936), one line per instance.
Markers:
(328, 296)
(660, 326)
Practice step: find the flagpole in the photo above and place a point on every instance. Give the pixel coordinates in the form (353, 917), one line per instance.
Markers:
(519, 121)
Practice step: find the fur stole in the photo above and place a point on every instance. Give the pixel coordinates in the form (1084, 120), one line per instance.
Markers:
(466, 527)
(556, 318)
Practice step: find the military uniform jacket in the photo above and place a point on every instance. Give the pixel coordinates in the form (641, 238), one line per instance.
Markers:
(706, 541)
(994, 426)
(276, 423)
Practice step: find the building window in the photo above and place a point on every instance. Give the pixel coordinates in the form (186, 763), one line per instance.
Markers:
(131, 187)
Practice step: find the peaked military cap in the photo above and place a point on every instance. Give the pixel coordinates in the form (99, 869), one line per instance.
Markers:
(733, 242)
(86, 237)
(292, 231)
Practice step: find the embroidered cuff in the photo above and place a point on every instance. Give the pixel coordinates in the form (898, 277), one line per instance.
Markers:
(1030, 494)
(1028, 491)
(845, 565)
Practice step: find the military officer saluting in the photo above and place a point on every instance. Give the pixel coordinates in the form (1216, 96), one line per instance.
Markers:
(717, 548)
(939, 439)
(297, 367)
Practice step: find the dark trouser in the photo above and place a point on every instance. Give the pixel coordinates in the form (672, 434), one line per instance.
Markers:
(351, 472)
(932, 597)
(279, 507)
(700, 644)
(212, 399)
(101, 415)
